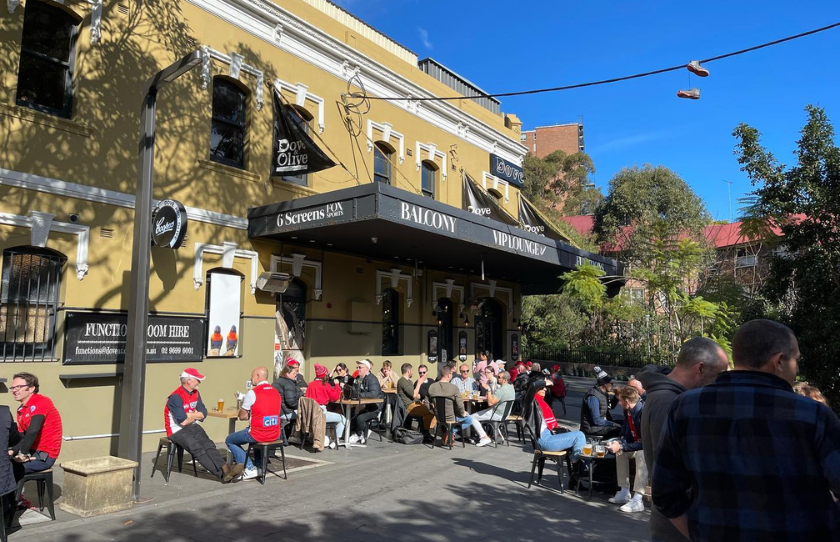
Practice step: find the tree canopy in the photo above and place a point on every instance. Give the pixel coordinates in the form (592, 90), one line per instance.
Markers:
(803, 201)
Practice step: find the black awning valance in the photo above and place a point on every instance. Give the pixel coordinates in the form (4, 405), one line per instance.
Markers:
(379, 221)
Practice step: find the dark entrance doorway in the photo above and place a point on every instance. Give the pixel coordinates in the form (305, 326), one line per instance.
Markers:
(489, 334)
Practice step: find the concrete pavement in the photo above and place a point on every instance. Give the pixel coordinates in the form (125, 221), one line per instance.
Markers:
(388, 492)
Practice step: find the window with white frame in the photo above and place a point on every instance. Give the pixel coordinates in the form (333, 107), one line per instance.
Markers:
(428, 179)
(382, 162)
(227, 131)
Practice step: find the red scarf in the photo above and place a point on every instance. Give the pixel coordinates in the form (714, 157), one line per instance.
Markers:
(547, 414)
(632, 425)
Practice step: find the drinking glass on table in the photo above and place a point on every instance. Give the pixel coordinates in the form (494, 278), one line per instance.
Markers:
(220, 406)
(587, 448)
(600, 451)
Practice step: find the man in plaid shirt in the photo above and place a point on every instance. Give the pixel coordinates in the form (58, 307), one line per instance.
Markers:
(745, 458)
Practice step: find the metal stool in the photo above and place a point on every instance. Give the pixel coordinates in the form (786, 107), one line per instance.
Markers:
(44, 481)
(263, 447)
(171, 447)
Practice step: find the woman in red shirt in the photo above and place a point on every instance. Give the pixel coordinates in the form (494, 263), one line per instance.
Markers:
(323, 391)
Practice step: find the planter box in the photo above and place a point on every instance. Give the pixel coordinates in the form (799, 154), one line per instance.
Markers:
(95, 486)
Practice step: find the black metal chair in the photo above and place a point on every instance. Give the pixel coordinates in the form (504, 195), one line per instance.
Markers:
(44, 482)
(540, 455)
(448, 426)
(496, 425)
(264, 449)
(172, 451)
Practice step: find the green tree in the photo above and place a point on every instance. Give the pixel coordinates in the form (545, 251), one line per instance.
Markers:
(804, 202)
(561, 181)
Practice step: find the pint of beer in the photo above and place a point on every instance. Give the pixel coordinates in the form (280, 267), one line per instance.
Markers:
(587, 448)
(221, 405)
(600, 451)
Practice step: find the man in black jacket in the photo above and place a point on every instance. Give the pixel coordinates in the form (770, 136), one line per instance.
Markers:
(699, 363)
(368, 389)
(595, 417)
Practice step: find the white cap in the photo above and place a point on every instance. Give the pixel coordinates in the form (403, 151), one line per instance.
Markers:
(364, 362)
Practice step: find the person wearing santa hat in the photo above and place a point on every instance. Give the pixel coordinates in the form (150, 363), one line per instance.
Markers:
(324, 391)
(182, 418)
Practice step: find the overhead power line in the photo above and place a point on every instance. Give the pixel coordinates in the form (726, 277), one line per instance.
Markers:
(614, 79)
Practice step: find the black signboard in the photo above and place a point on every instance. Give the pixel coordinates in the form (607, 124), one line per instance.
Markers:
(530, 220)
(503, 169)
(94, 338)
(294, 151)
(480, 203)
(169, 224)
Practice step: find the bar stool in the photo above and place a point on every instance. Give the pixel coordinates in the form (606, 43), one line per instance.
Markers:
(172, 450)
(263, 447)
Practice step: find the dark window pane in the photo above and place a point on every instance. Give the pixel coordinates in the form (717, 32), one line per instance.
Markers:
(226, 143)
(47, 30)
(390, 322)
(428, 181)
(228, 102)
(41, 82)
(381, 165)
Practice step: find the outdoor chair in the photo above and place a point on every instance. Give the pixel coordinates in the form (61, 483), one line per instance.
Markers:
(540, 455)
(44, 481)
(448, 426)
(172, 451)
(497, 426)
(264, 448)
(516, 418)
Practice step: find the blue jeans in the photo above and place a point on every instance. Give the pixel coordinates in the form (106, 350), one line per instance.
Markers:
(234, 443)
(465, 422)
(36, 465)
(560, 441)
(335, 417)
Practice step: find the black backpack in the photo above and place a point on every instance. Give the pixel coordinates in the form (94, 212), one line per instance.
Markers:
(407, 436)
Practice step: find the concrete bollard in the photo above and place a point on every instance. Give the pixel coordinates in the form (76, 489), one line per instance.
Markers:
(96, 486)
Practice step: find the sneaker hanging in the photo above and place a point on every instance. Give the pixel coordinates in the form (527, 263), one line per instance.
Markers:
(698, 70)
(693, 94)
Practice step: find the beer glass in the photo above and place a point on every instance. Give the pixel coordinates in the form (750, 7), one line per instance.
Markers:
(221, 405)
(599, 450)
(587, 448)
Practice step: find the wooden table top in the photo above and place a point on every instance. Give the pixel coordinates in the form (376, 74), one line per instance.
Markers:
(364, 401)
(228, 413)
(392, 390)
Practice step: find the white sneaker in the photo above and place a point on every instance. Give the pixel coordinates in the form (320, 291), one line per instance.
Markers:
(354, 438)
(484, 442)
(623, 496)
(250, 474)
(635, 505)
(327, 441)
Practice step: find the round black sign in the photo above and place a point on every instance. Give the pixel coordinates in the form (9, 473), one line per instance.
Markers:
(169, 224)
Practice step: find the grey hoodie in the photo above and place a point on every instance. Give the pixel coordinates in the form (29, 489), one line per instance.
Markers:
(662, 391)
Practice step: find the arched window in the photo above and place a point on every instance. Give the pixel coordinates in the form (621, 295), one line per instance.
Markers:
(390, 322)
(227, 132)
(429, 179)
(382, 156)
(303, 119)
(29, 300)
(47, 54)
(293, 308)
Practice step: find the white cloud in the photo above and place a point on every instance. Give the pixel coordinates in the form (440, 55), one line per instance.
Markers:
(424, 37)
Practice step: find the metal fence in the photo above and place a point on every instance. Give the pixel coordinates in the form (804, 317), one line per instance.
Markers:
(603, 358)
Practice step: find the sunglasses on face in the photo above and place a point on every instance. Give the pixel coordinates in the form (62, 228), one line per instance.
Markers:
(422, 372)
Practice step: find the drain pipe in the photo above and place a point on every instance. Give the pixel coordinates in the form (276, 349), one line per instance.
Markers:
(109, 435)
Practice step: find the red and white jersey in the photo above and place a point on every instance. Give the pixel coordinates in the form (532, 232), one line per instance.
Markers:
(190, 402)
(49, 440)
(265, 412)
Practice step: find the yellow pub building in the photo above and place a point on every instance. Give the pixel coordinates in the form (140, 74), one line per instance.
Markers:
(415, 247)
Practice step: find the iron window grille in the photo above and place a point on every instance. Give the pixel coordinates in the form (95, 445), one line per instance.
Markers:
(382, 163)
(390, 322)
(428, 179)
(227, 131)
(29, 302)
(47, 53)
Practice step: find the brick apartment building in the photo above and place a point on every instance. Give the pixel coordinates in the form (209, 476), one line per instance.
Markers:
(544, 140)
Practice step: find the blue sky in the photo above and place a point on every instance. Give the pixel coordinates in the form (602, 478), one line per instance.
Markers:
(553, 43)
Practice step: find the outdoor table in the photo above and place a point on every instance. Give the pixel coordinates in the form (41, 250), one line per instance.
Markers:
(230, 414)
(388, 413)
(348, 406)
(592, 460)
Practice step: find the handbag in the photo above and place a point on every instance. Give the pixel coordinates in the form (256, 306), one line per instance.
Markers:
(407, 436)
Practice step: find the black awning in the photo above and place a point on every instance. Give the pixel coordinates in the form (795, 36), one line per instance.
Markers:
(379, 221)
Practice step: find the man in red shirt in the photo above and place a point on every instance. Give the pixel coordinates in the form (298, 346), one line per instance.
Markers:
(182, 417)
(262, 405)
(39, 424)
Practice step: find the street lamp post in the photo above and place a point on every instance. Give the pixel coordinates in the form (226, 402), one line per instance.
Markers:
(134, 374)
